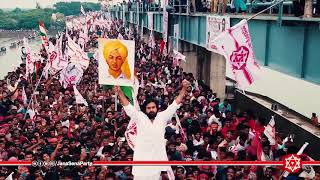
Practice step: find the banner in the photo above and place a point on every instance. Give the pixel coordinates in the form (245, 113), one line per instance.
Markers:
(123, 15)
(215, 26)
(131, 131)
(165, 22)
(141, 32)
(176, 36)
(235, 45)
(131, 16)
(116, 62)
(150, 21)
(165, 26)
(29, 60)
(138, 13)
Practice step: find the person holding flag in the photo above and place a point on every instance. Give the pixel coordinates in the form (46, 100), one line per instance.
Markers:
(43, 34)
(150, 143)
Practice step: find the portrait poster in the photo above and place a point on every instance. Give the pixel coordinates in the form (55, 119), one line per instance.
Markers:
(215, 26)
(116, 62)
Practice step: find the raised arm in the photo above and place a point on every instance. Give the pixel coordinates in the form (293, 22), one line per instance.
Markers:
(123, 99)
(183, 91)
(128, 108)
(169, 112)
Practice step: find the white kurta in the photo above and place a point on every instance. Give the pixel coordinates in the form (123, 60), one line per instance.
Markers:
(150, 142)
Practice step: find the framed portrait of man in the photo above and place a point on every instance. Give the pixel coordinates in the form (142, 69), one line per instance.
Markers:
(116, 62)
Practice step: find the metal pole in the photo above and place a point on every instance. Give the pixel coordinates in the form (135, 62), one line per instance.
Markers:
(188, 7)
(257, 14)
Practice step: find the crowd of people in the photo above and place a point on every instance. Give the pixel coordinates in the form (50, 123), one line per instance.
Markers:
(223, 6)
(55, 128)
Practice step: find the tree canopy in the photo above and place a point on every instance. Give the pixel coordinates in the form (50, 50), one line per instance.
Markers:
(29, 19)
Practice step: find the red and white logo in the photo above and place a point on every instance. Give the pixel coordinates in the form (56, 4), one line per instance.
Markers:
(239, 57)
(292, 163)
(53, 56)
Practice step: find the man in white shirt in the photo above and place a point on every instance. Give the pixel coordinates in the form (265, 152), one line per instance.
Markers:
(150, 142)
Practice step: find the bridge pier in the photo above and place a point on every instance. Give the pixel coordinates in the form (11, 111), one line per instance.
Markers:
(218, 74)
(206, 66)
(191, 63)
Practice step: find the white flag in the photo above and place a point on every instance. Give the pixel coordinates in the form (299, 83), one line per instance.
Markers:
(10, 176)
(151, 40)
(79, 98)
(77, 54)
(176, 57)
(29, 60)
(141, 32)
(71, 75)
(235, 44)
(270, 131)
(82, 10)
(24, 96)
(120, 36)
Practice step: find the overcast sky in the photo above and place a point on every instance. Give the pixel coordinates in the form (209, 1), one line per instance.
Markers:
(32, 3)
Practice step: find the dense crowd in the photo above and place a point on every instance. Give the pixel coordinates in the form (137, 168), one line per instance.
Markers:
(56, 128)
(297, 8)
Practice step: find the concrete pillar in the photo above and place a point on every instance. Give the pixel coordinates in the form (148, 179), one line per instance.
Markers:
(218, 74)
(191, 64)
(204, 65)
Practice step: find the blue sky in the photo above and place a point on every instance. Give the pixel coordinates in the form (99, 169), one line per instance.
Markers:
(32, 3)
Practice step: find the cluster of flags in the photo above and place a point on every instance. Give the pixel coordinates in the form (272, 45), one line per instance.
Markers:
(71, 62)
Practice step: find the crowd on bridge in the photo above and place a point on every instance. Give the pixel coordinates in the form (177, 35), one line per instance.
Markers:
(295, 8)
(55, 127)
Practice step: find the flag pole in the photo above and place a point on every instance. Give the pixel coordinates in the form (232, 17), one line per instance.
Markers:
(32, 95)
(116, 102)
(38, 80)
(257, 14)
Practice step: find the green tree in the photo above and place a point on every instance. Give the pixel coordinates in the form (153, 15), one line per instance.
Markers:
(17, 10)
(29, 19)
